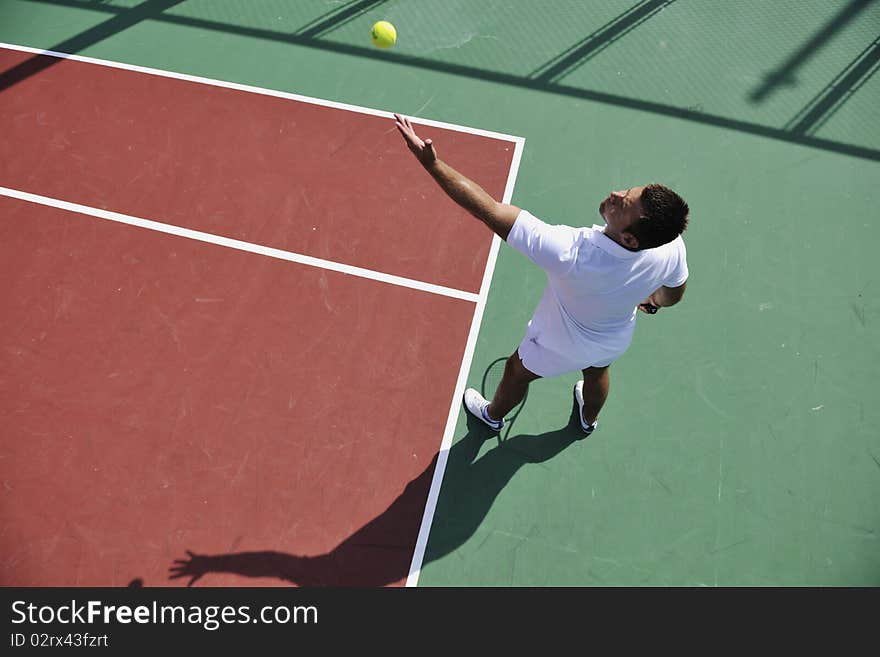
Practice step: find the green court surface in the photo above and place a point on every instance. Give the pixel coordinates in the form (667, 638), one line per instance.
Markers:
(740, 443)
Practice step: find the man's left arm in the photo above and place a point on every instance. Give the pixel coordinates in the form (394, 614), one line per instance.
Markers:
(499, 217)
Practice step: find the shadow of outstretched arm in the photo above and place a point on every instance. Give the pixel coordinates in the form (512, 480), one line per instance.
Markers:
(289, 567)
(380, 552)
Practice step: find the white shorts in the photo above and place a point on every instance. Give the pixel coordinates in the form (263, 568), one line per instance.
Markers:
(547, 363)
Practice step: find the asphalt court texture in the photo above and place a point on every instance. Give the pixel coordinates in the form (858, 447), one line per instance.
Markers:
(739, 444)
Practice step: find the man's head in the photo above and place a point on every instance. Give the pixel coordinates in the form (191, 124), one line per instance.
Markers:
(644, 217)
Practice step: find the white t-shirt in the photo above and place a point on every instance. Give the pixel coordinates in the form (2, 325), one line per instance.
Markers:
(594, 286)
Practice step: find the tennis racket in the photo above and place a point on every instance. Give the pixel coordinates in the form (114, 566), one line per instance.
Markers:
(491, 378)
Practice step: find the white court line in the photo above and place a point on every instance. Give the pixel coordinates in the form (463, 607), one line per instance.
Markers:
(433, 495)
(240, 245)
(480, 300)
(260, 90)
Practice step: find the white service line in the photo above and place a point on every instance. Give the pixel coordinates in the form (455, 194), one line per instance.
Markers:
(240, 245)
(259, 90)
(455, 407)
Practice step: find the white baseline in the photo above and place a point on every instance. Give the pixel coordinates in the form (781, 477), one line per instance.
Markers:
(259, 90)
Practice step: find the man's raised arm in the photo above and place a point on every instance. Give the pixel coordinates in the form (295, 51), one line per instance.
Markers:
(500, 217)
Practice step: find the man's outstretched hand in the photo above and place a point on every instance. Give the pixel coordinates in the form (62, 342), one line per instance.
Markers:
(194, 567)
(422, 149)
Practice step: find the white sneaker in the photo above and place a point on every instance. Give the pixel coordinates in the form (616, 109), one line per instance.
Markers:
(579, 397)
(477, 405)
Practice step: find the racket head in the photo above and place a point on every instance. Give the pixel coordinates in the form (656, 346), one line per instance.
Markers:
(491, 378)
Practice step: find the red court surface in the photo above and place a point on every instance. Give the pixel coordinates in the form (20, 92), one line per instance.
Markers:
(324, 182)
(160, 394)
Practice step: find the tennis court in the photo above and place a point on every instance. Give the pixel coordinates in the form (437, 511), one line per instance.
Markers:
(238, 317)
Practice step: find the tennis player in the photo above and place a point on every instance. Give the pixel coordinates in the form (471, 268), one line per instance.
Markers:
(597, 279)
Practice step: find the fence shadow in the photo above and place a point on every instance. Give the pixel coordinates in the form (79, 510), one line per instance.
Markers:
(545, 79)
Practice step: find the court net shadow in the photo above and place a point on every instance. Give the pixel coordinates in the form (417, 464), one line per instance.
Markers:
(378, 553)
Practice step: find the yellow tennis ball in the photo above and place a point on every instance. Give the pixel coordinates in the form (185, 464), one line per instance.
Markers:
(384, 35)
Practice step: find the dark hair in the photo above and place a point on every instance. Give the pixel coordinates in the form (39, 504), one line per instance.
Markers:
(664, 217)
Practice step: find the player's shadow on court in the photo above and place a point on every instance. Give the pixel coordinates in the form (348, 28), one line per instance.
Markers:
(379, 553)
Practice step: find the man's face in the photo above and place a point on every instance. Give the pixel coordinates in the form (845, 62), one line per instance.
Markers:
(621, 209)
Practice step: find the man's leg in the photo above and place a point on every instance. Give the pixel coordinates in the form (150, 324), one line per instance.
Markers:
(596, 385)
(512, 389)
